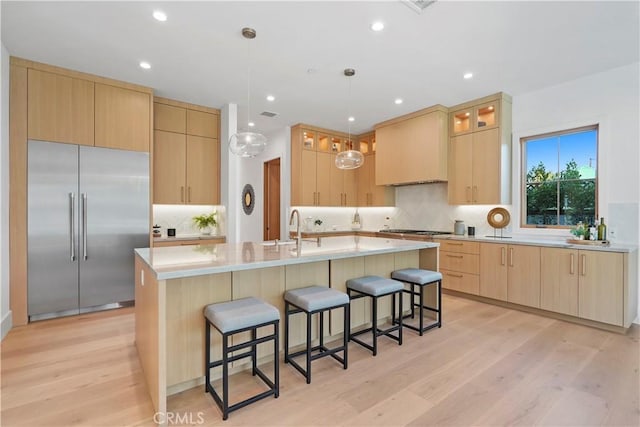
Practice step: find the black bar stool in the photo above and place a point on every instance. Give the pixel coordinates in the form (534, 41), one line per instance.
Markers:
(315, 300)
(377, 287)
(234, 317)
(421, 278)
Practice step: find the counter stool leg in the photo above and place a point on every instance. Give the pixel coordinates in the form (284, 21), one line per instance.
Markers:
(422, 310)
(374, 323)
(413, 300)
(393, 309)
(439, 303)
(286, 332)
(207, 354)
(321, 314)
(276, 360)
(225, 378)
(346, 334)
(308, 348)
(254, 354)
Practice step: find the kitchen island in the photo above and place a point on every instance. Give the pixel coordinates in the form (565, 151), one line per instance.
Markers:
(174, 284)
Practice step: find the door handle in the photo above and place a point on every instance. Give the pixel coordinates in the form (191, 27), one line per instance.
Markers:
(474, 193)
(511, 257)
(571, 265)
(72, 228)
(84, 225)
(182, 194)
(459, 276)
(318, 204)
(189, 194)
(454, 256)
(503, 255)
(467, 193)
(584, 265)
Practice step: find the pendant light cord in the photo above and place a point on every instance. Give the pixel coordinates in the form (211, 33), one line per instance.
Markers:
(248, 81)
(349, 113)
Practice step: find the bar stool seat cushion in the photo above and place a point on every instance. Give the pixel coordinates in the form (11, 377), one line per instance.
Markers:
(239, 314)
(374, 285)
(416, 275)
(315, 298)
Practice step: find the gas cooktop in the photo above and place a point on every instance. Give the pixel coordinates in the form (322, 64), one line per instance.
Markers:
(418, 232)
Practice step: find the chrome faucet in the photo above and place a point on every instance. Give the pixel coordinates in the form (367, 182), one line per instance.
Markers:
(298, 235)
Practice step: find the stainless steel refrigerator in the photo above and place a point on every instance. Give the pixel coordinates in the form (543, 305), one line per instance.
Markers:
(88, 208)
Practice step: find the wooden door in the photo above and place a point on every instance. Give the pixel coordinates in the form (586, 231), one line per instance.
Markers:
(308, 196)
(486, 167)
(200, 123)
(601, 278)
(350, 187)
(493, 271)
(379, 195)
(60, 108)
(460, 163)
(202, 170)
(169, 160)
(365, 177)
(271, 219)
(323, 184)
(559, 280)
(122, 118)
(523, 277)
(169, 118)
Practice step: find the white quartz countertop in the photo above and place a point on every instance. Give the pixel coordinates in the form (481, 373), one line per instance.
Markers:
(556, 243)
(188, 261)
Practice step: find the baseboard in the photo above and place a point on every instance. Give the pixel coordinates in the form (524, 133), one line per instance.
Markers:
(7, 324)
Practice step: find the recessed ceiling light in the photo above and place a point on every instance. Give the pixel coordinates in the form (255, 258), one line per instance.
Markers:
(398, 101)
(351, 119)
(160, 15)
(271, 98)
(377, 26)
(145, 65)
(467, 75)
(251, 124)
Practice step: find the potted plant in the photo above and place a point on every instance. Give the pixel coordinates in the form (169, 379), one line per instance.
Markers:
(205, 222)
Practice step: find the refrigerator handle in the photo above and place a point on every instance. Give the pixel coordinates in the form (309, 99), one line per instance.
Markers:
(84, 225)
(72, 228)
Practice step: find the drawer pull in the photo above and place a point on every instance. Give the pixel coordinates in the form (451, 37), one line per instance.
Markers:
(503, 256)
(511, 257)
(584, 265)
(453, 244)
(571, 265)
(454, 256)
(459, 276)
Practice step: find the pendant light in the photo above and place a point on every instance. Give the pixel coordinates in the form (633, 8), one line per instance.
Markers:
(248, 144)
(349, 159)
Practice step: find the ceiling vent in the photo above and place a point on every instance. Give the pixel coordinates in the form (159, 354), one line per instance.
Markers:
(268, 114)
(418, 5)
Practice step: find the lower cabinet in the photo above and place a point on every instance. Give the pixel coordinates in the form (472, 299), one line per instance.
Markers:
(211, 241)
(510, 273)
(460, 265)
(583, 283)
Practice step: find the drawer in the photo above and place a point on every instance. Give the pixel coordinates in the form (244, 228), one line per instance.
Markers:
(166, 243)
(460, 262)
(459, 246)
(461, 282)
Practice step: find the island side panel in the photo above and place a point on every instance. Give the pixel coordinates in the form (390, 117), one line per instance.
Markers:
(149, 330)
(186, 300)
(381, 265)
(429, 259)
(268, 284)
(300, 276)
(341, 271)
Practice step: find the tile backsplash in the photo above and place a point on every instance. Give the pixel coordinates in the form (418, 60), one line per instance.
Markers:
(180, 217)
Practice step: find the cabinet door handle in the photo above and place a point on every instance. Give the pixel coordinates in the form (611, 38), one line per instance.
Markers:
(459, 276)
(584, 265)
(571, 265)
(318, 204)
(511, 257)
(467, 193)
(454, 256)
(189, 194)
(453, 244)
(475, 193)
(182, 194)
(503, 256)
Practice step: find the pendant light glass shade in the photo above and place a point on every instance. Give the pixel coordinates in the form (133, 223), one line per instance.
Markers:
(247, 144)
(350, 159)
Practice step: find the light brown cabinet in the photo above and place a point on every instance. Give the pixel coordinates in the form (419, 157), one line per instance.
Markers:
(60, 108)
(186, 166)
(315, 180)
(459, 264)
(370, 194)
(122, 118)
(583, 283)
(413, 148)
(480, 152)
(510, 273)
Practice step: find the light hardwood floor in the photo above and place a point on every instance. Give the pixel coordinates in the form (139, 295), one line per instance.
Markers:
(486, 366)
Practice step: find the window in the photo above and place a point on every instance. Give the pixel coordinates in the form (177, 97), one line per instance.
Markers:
(559, 179)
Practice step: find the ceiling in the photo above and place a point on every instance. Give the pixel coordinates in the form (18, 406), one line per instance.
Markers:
(199, 55)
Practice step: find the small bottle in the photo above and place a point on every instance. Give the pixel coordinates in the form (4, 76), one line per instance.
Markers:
(593, 232)
(587, 231)
(602, 230)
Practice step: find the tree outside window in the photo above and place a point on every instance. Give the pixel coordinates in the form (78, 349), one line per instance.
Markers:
(561, 179)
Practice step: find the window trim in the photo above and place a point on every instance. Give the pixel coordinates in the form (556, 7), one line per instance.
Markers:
(523, 174)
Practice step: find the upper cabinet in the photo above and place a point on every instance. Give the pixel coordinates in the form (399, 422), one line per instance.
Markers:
(370, 194)
(71, 107)
(412, 148)
(480, 151)
(122, 117)
(186, 157)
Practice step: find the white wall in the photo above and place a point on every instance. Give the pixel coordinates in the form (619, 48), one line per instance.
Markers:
(251, 171)
(5, 312)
